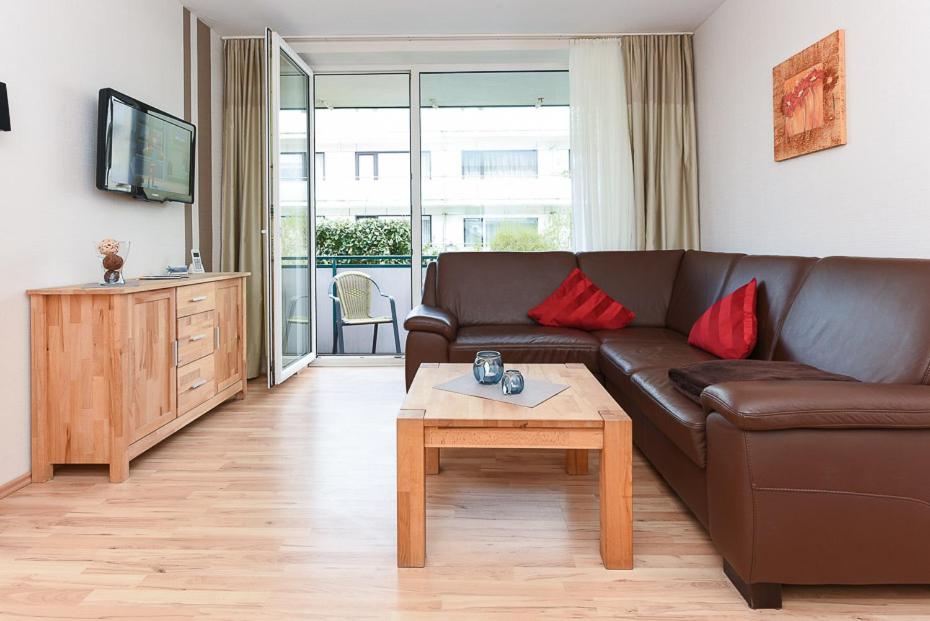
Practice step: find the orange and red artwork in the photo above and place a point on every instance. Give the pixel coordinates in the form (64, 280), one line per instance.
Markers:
(809, 99)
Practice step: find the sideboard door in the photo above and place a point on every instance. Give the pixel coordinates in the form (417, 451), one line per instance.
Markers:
(153, 380)
(230, 337)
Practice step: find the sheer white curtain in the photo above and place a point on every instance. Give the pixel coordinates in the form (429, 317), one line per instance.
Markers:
(602, 163)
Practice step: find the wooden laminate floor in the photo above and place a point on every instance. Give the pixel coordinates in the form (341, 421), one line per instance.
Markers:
(282, 507)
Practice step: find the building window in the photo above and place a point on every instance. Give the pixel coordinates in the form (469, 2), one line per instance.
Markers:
(473, 232)
(427, 230)
(500, 163)
(479, 232)
(426, 166)
(294, 166)
(319, 161)
(376, 165)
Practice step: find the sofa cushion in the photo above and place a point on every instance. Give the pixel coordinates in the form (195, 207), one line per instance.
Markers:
(519, 343)
(692, 379)
(637, 334)
(662, 348)
(698, 284)
(728, 328)
(867, 318)
(641, 279)
(676, 416)
(579, 303)
(779, 280)
(481, 288)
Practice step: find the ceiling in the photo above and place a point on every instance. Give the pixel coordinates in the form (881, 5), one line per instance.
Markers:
(320, 18)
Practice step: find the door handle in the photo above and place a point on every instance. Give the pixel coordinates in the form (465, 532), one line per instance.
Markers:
(198, 298)
(174, 352)
(198, 383)
(216, 337)
(198, 337)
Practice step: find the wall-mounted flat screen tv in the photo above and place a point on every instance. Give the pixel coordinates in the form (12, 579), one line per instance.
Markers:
(142, 151)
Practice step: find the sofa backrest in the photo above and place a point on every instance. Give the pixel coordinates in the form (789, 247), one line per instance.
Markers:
(498, 287)
(698, 284)
(429, 284)
(779, 279)
(641, 280)
(868, 318)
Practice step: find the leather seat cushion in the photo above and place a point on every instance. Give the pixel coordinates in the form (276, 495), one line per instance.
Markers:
(681, 420)
(646, 350)
(529, 344)
(634, 334)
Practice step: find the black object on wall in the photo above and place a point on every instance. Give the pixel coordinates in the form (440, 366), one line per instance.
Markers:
(4, 109)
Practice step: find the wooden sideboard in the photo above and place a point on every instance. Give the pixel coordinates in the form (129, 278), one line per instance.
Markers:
(116, 370)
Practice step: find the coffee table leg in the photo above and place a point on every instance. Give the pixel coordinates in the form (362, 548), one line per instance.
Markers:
(576, 461)
(616, 490)
(411, 490)
(432, 461)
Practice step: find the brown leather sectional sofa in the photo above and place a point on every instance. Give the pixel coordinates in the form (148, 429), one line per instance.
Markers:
(797, 482)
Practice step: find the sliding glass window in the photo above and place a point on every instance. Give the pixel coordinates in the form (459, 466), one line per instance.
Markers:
(498, 176)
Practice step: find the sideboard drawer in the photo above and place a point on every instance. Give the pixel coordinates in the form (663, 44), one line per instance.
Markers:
(196, 383)
(193, 299)
(196, 336)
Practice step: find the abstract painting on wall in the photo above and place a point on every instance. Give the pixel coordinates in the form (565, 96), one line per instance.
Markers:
(809, 99)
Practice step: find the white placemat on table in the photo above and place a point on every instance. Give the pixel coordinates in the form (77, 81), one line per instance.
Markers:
(535, 391)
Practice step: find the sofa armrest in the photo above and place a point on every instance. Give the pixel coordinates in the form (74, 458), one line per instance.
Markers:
(424, 318)
(767, 405)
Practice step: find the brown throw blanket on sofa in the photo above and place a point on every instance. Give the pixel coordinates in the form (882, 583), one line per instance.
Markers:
(692, 379)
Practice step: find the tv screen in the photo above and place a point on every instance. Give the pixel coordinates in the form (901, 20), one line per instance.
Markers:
(143, 151)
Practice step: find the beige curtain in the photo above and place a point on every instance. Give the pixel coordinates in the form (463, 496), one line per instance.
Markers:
(660, 100)
(244, 184)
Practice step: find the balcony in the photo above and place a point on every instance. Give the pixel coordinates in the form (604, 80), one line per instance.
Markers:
(391, 272)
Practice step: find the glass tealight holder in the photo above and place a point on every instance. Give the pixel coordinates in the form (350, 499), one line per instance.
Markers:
(489, 367)
(513, 382)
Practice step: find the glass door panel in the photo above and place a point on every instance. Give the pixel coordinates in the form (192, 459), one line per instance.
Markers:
(494, 164)
(289, 242)
(363, 209)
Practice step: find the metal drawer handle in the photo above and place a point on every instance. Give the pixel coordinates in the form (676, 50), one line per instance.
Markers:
(198, 298)
(198, 383)
(198, 337)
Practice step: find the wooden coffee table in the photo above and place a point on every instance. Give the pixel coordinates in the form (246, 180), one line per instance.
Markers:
(581, 418)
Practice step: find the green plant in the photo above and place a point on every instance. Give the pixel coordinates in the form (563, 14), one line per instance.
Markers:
(366, 237)
(519, 238)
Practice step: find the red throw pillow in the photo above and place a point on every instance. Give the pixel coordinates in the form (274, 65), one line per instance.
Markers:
(728, 329)
(579, 303)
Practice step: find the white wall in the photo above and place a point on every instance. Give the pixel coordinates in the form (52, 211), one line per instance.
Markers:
(54, 57)
(869, 197)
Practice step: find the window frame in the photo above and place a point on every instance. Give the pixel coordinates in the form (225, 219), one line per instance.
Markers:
(415, 70)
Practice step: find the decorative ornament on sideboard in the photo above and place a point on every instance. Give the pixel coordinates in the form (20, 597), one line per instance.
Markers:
(113, 255)
(809, 99)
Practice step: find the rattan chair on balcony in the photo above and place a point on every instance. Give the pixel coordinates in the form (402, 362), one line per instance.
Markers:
(351, 292)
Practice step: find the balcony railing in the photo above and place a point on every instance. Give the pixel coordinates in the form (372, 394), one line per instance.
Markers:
(357, 260)
(387, 270)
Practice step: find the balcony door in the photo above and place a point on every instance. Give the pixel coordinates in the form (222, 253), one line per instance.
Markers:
(290, 292)
(363, 216)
